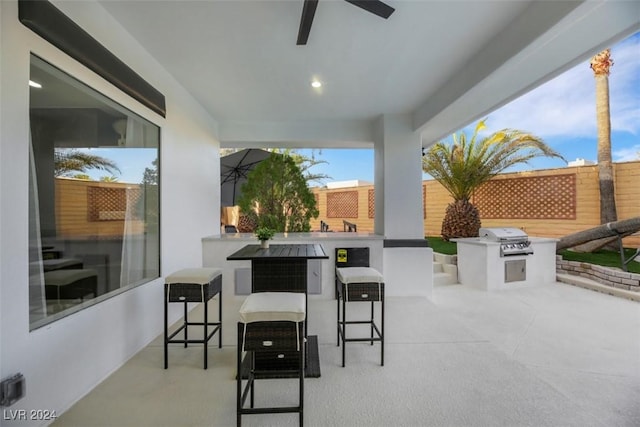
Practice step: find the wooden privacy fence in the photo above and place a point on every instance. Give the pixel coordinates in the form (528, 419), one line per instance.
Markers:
(544, 203)
(96, 209)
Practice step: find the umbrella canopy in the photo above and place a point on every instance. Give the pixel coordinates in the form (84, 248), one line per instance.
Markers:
(234, 169)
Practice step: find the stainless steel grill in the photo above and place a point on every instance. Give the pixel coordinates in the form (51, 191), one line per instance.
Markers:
(513, 241)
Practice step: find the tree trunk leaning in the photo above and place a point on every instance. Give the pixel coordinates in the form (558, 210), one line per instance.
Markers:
(594, 245)
(624, 227)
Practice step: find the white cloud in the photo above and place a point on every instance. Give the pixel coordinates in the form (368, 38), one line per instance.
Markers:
(624, 86)
(565, 106)
(626, 154)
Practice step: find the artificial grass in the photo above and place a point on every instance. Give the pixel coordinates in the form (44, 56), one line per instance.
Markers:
(441, 246)
(601, 257)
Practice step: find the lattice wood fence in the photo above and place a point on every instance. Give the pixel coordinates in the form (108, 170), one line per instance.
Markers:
(541, 197)
(343, 204)
(424, 201)
(371, 197)
(110, 204)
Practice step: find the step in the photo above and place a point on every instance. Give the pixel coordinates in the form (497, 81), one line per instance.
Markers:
(437, 267)
(583, 282)
(444, 259)
(452, 270)
(445, 270)
(444, 279)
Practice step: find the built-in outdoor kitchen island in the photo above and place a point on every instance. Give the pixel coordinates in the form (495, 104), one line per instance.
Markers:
(503, 258)
(412, 275)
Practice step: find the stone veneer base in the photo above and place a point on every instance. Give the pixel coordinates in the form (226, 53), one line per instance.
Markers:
(606, 276)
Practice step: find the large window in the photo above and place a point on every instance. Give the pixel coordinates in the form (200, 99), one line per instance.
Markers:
(94, 196)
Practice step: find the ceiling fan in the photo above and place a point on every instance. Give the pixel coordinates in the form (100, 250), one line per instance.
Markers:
(309, 10)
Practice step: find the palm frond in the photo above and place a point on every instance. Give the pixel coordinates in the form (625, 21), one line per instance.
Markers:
(466, 163)
(68, 161)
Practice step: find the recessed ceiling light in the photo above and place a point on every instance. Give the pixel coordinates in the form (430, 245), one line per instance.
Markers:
(34, 84)
(316, 84)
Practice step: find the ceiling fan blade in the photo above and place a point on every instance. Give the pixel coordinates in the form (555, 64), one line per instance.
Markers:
(308, 11)
(376, 7)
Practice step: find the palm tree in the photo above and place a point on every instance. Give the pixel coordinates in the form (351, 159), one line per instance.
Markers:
(108, 179)
(68, 161)
(466, 164)
(82, 176)
(600, 64)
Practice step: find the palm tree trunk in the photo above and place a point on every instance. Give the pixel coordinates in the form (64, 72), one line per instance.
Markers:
(600, 65)
(605, 167)
(461, 219)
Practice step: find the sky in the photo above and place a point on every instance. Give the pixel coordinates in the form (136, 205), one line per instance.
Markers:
(561, 112)
(131, 161)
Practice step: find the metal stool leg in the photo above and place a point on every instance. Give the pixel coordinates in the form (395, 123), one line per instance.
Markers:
(239, 375)
(371, 323)
(220, 319)
(252, 399)
(344, 328)
(382, 330)
(301, 372)
(206, 319)
(166, 329)
(338, 320)
(186, 325)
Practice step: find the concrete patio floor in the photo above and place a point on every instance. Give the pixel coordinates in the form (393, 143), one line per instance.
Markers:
(548, 355)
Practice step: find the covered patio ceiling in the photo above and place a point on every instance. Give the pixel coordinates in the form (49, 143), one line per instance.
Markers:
(445, 63)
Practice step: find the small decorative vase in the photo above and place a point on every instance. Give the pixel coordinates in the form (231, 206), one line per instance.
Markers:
(264, 244)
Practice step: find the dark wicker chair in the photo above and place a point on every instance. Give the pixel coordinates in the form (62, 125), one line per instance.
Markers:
(349, 227)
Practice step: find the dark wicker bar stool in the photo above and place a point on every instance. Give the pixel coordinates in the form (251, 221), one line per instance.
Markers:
(357, 282)
(193, 285)
(271, 332)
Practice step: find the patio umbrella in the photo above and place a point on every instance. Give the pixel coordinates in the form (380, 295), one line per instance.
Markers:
(234, 169)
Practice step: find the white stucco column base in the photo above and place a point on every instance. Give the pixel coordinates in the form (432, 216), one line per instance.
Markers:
(408, 271)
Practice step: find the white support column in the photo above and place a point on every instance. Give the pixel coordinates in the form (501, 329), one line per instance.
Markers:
(407, 265)
(397, 157)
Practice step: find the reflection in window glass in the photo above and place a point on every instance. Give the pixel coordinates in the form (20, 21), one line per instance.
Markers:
(93, 196)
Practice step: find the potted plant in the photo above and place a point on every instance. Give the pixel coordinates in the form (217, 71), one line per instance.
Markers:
(264, 234)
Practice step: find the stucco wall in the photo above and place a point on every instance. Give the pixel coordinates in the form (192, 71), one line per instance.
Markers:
(66, 359)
